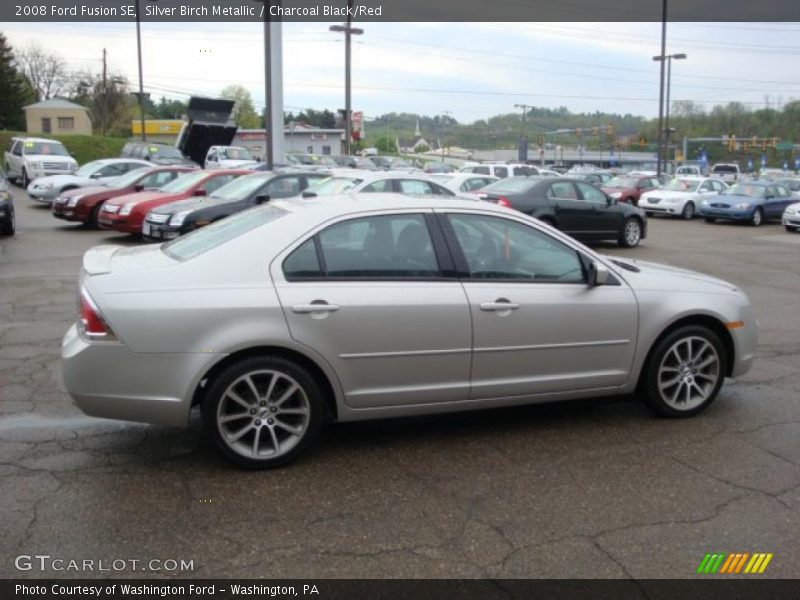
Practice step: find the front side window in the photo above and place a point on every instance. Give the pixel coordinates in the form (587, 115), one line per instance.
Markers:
(387, 246)
(501, 172)
(384, 185)
(415, 187)
(498, 248)
(283, 187)
(215, 183)
(591, 193)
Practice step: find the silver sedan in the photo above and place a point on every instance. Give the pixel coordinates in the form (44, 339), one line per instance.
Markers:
(345, 308)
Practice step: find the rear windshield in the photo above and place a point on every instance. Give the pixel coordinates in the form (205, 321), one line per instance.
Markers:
(164, 152)
(724, 169)
(511, 185)
(201, 240)
(745, 189)
(184, 183)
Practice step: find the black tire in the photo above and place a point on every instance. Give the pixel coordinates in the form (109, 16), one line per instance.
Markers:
(9, 227)
(261, 418)
(757, 217)
(710, 220)
(656, 372)
(25, 181)
(631, 233)
(93, 216)
(688, 211)
(790, 228)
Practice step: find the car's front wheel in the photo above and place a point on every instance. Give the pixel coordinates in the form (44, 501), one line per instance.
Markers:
(685, 372)
(9, 227)
(756, 218)
(262, 412)
(688, 211)
(631, 233)
(25, 180)
(710, 220)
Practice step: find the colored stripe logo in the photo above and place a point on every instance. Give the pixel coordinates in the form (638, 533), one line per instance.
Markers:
(734, 563)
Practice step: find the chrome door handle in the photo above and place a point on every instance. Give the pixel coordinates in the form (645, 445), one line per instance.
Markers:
(314, 307)
(499, 305)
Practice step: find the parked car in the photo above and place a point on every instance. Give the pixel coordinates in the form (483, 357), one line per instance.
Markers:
(354, 162)
(688, 171)
(680, 197)
(411, 184)
(7, 217)
(629, 189)
(436, 167)
(728, 172)
(792, 184)
(461, 183)
(501, 170)
(84, 204)
(176, 218)
(290, 313)
(392, 163)
(791, 217)
(30, 158)
(312, 160)
(97, 172)
(126, 213)
(751, 201)
(228, 157)
(598, 178)
(157, 154)
(575, 207)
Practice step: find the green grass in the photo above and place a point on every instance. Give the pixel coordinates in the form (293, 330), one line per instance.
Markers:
(84, 148)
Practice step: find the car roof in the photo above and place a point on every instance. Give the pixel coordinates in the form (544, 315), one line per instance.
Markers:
(38, 139)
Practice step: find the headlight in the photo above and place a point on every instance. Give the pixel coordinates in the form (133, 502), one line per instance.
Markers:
(44, 186)
(36, 166)
(704, 203)
(71, 202)
(616, 194)
(127, 208)
(743, 205)
(178, 218)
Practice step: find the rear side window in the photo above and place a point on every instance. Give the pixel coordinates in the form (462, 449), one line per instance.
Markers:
(501, 171)
(480, 170)
(562, 189)
(303, 263)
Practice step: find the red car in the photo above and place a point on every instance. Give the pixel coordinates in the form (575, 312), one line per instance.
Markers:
(84, 204)
(126, 213)
(626, 188)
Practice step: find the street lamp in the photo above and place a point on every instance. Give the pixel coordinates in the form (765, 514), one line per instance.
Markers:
(668, 58)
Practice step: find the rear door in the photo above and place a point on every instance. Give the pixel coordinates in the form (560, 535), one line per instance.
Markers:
(373, 296)
(599, 218)
(568, 208)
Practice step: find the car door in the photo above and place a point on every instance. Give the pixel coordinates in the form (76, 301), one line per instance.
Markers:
(599, 217)
(15, 159)
(369, 294)
(538, 328)
(784, 199)
(567, 207)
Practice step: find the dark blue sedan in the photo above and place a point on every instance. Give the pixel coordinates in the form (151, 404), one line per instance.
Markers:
(751, 201)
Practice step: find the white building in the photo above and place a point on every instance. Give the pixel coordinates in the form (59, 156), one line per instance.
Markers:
(300, 139)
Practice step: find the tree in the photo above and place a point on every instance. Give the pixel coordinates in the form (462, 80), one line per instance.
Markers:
(107, 99)
(15, 93)
(45, 70)
(244, 114)
(386, 145)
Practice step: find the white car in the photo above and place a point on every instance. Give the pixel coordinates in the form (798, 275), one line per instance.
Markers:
(680, 197)
(228, 157)
(30, 158)
(791, 217)
(501, 170)
(728, 172)
(688, 171)
(97, 172)
(463, 183)
(344, 181)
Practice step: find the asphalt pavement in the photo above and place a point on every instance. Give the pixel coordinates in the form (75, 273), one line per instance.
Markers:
(589, 489)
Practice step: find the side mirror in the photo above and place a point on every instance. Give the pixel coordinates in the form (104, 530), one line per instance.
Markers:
(200, 192)
(138, 187)
(262, 198)
(308, 194)
(598, 274)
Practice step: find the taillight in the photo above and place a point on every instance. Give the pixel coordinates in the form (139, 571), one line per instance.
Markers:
(91, 322)
(503, 201)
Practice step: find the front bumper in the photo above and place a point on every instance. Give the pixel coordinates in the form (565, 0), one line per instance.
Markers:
(107, 380)
(117, 222)
(792, 220)
(159, 232)
(661, 208)
(41, 194)
(735, 214)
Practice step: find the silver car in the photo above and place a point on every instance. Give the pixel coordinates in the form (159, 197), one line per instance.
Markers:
(347, 308)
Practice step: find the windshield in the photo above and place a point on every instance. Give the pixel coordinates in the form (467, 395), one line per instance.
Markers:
(511, 185)
(233, 153)
(184, 183)
(164, 152)
(681, 185)
(89, 168)
(128, 179)
(745, 189)
(620, 182)
(199, 241)
(334, 185)
(241, 187)
(724, 169)
(52, 148)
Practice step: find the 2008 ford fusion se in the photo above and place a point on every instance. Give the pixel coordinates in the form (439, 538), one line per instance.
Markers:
(339, 308)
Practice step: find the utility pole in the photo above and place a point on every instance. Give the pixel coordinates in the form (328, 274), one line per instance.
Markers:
(105, 96)
(141, 81)
(446, 113)
(348, 31)
(661, 86)
(522, 153)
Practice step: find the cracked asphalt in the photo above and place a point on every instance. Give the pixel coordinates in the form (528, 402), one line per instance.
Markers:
(593, 489)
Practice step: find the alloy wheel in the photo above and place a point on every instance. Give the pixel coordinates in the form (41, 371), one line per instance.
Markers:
(263, 414)
(688, 373)
(756, 218)
(632, 233)
(688, 211)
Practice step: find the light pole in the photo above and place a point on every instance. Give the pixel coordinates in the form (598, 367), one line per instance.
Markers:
(663, 126)
(660, 58)
(141, 81)
(348, 31)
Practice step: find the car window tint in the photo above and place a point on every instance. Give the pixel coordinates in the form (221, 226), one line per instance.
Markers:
(389, 246)
(501, 172)
(384, 185)
(283, 187)
(475, 183)
(303, 262)
(782, 191)
(157, 180)
(217, 182)
(562, 189)
(110, 171)
(498, 248)
(481, 170)
(522, 171)
(415, 187)
(591, 193)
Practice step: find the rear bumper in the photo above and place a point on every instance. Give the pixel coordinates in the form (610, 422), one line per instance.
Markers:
(107, 380)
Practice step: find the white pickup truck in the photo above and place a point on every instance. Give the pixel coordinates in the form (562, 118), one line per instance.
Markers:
(30, 158)
(728, 172)
(228, 157)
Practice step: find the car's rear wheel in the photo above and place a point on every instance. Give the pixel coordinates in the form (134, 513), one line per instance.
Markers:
(9, 227)
(631, 233)
(25, 181)
(790, 228)
(685, 372)
(756, 218)
(94, 216)
(710, 220)
(688, 211)
(263, 412)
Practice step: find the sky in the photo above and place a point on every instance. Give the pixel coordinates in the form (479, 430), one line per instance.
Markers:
(470, 70)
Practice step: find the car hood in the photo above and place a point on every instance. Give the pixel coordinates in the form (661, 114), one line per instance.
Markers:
(794, 207)
(50, 157)
(650, 276)
(192, 203)
(84, 191)
(138, 197)
(62, 180)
